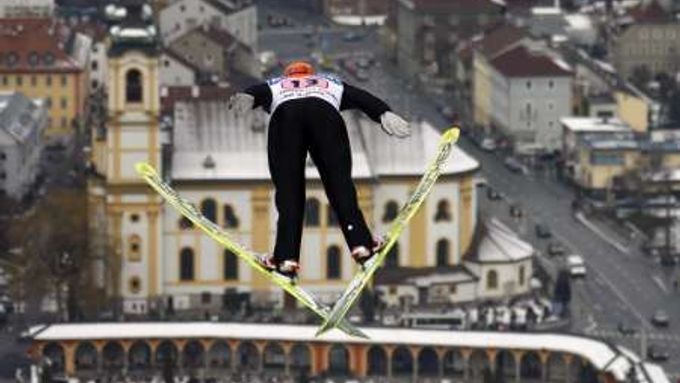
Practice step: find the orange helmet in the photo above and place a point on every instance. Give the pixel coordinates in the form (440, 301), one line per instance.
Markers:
(298, 69)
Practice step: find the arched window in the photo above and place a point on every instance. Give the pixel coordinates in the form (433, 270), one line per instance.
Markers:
(391, 211)
(230, 265)
(443, 211)
(133, 86)
(230, 218)
(492, 280)
(333, 263)
(134, 248)
(186, 264)
(185, 223)
(522, 275)
(312, 212)
(135, 285)
(392, 258)
(209, 209)
(442, 252)
(332, 218)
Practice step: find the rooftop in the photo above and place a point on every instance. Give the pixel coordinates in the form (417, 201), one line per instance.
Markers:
(594, 124)
(499, 243)
(522, 62)
(19, 117)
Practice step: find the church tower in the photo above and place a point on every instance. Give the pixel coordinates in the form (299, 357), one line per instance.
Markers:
(130, 134)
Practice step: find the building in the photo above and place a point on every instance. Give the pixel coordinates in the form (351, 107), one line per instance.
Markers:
(351, 12)
(257, 350)
(19, 9)
(530, 91)
(22, 124)
(175, 70)
(45, 59)
(648, 37)
(425, 33)
(238, 18)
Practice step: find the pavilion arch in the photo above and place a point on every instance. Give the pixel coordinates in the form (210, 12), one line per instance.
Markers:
(479, 365)
(113, 356)
(556, 367)
(300, 358)
(586, 373)
(193, 355)
(506, 366)
(531, 366)
(86, 357)
(55, 353)
(377, 361)
(139, 356)
(402, 361)
(338, 360)
(247, 356)
(220, 355)
(428, 362)
(453, 364)
(274, 357)
(166, 353)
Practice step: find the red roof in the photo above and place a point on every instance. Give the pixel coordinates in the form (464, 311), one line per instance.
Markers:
(520, 62)
(498, 39)
(650, 13)
(35, 45)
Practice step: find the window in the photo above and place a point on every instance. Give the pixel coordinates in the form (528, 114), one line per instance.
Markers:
(182, 8)
(3, 156)
(230, 219)
(186, 264)
(443, 211)
(185, 224)
(528, 84)
(48, 80)
(166, 63)
(34, 81)
(134, 248)
(333, 263)
(134, 217)
(5, 80)
(230, 265)
(133, 86)
(64, 122)
(64, 80)
(332, 218)
(453, 289)
(94, 65)
(391, 211)
(491, 280)
(312, 212)
(206, 297)
(20, 80)
(551, 84)
(521, 275)
(209, 209)
(48, 102)
(135, 285)
(442, 253)
(392, 258)
(604, 158)
(64, 102)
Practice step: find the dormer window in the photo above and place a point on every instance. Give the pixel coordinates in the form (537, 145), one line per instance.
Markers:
(33, 59)
(48, 59)
(11, 59)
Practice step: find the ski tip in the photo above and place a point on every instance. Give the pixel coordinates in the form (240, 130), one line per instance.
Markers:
(143, 168)
(451, 134)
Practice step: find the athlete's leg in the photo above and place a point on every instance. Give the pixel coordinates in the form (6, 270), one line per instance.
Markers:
(287, 151)
(329, 147)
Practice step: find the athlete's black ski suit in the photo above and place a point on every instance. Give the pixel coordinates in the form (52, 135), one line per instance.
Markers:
(304, 118)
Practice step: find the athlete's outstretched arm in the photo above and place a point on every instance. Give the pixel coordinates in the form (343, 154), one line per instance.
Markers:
(375, 108)
(262, 94)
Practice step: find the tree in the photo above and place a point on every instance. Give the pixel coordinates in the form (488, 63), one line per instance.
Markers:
(51, 243)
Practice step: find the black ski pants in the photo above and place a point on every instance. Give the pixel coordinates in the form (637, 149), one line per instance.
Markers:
(311, 125)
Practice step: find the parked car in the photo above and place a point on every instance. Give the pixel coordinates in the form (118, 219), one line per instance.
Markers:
(514, 165)
(492, 194)
(576, 266)
(626, 328)
(656, 353)
(660, 318)
(516, 211)
(352, 37)
(556, 248)
(543, 231)
(488, 144)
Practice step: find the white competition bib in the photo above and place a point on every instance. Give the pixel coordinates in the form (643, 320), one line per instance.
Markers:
(325, 87)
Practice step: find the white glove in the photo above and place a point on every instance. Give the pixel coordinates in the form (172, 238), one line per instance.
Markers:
(392, 124)
(241, 103)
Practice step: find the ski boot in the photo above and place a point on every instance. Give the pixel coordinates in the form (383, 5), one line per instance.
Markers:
(288, 268)
(362, 255)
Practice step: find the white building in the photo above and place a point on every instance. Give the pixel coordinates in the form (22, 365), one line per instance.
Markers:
(22, 124)
(26, 8)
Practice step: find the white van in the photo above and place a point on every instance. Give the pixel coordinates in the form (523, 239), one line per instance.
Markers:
(576, 265)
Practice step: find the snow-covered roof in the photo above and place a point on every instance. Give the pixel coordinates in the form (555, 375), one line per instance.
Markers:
(594, 124)
(212, 143)
(501, 244)
(598, 353)
(578, 21)
(360, 20)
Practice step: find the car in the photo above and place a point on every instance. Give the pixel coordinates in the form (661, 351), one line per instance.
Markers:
(556, 248)
(364, 62)
(626, 328)
(492, 194)
(543, 231)
(488, 144)
(514, 165)
(656, 353)
(516, 211)
(362, 75)
(660, 319)
(352, 37)
(576, 266)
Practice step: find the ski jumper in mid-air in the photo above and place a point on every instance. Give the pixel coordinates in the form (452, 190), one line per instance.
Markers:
(304, 110)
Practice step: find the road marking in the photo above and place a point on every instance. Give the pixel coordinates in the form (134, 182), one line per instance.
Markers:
(581, 218)
(660, 283)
